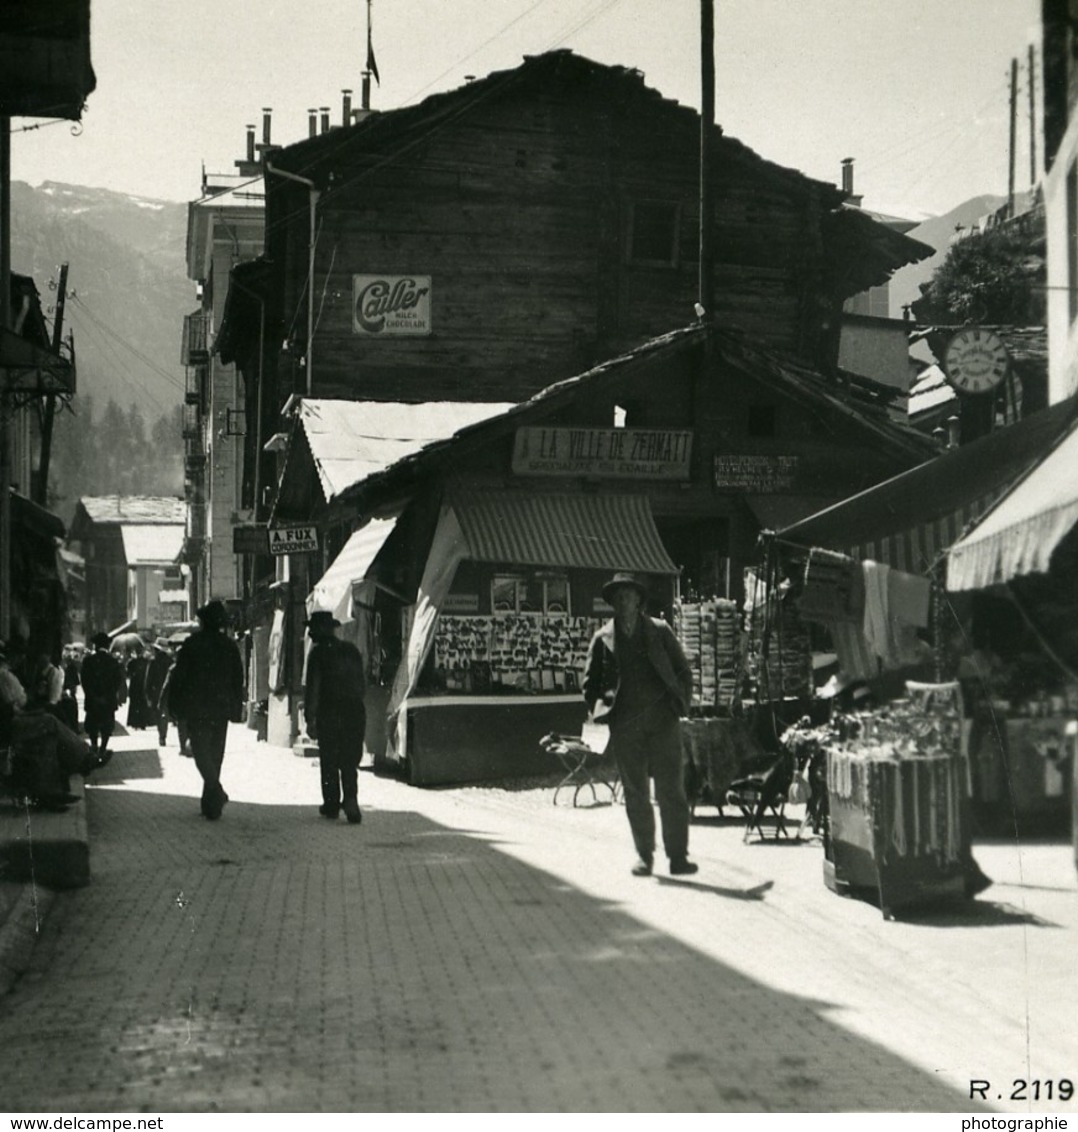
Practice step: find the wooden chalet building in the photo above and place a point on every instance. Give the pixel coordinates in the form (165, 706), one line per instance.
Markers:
(493, 239)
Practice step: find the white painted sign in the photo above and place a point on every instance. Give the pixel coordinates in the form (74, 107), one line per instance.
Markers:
(630, 453)
(391, 305)
(293, 540)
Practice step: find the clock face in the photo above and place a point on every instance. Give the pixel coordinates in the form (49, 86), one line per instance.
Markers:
(976, 361)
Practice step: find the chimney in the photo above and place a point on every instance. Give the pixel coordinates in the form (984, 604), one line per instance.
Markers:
(847, 181)
(847, 176)
(266, 112)
(325, 119)
(312, 123)
(250, 141)
(346, 107)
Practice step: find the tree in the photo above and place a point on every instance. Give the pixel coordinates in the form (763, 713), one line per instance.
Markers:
(996, 277)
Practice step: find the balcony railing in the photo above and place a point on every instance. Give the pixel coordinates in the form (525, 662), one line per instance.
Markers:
(194, 351)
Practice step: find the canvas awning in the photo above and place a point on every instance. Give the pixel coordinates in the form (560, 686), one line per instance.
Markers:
(333, 590)
(910, 520)
(1020, 533)
(156, 543)
(601, 532)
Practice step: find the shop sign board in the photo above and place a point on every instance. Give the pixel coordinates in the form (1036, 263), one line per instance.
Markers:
(617, 453)
(755, 474)
(461, 603)
(293, 540)
(250, 538)
(391, 306)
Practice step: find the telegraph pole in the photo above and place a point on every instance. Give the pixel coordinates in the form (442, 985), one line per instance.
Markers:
(1014, 123)
(1032, 124)
(42, 487)
(707, 125)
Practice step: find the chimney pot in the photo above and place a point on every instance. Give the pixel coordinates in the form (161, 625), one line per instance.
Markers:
(847, 175)
(251, 142)
(266, 112)
(325, 118)
(346, 108)
(312, 123)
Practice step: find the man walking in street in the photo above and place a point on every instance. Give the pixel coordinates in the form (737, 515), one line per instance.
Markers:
(335, 714)
(638, 681)
(206, 690)
(104, 690)
(156, 674)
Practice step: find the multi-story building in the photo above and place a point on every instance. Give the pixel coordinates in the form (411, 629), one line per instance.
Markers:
(224, 228)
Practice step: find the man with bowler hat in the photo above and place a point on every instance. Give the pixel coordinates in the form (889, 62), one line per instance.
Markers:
(335, 715)
(638, 681)
(206, 692)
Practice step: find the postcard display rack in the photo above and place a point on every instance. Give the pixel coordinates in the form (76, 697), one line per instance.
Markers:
(897, 793)
(712, 741)
(514, 653)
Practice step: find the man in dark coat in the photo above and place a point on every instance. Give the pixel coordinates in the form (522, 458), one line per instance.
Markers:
(206, 692)
(638, 681)
(156, 674)
(335, 714)
(104, 690)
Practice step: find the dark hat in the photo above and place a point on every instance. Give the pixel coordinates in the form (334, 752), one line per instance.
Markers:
(101, 640)
(213, 614)
(321, 621)
(624, 578)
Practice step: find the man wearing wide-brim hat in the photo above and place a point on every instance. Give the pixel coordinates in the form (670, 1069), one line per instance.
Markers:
(156, 675)
(206, 693)
(638, 681)
(335, 715)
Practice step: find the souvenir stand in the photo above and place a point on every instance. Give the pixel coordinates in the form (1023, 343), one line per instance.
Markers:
(896, 784)
(739, 657)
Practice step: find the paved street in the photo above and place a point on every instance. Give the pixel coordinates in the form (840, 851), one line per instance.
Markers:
(477, 949)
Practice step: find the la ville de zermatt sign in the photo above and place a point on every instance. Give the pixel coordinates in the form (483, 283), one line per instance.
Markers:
(638, 453)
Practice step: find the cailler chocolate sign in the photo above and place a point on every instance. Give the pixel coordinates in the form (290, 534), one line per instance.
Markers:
(391, 305)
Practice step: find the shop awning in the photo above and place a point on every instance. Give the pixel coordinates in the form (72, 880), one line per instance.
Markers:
(602, 532)
(911, 520)
(333, 590)
(350, 440)
(1019, 535)
(158, 543)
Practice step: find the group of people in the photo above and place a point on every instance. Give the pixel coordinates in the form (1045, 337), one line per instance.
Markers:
(637, 680)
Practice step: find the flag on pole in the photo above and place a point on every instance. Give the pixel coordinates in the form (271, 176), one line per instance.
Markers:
(372, 66)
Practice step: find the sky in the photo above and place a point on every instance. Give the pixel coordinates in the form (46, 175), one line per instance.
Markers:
(916, 91)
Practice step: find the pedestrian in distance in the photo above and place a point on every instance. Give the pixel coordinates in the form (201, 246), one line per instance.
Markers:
(206, 693)
(638, 681)
(70, 662)
(335, 715)
(156, 676)
(140, 712)
(104, 690)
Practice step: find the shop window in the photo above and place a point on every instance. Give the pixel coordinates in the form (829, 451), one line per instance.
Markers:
(653, 231)
(529, 593)
(762, 420)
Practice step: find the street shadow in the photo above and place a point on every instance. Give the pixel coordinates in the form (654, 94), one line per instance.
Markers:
(972, 914)
(757, 892)
(128, 766)
(277, 961)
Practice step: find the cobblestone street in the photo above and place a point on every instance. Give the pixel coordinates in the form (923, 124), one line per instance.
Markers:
(477, 949)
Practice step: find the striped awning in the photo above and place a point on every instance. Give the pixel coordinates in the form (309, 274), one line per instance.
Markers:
(910, 521)
(601, 532)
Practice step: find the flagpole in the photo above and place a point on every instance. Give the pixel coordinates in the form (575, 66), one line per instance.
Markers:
(367, 72)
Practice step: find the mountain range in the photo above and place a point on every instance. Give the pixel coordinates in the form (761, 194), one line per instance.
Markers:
(127, 286)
